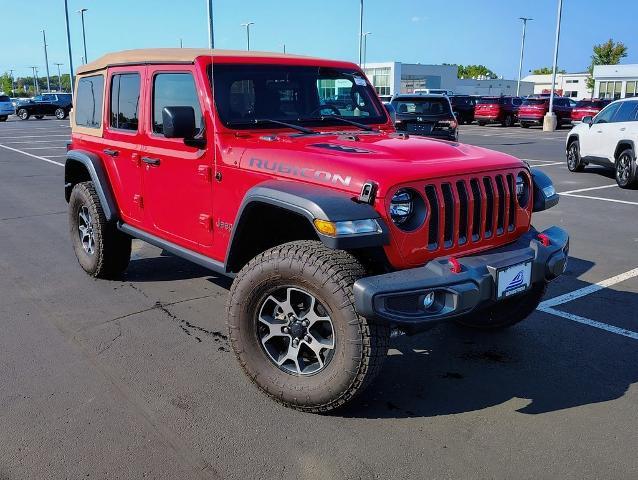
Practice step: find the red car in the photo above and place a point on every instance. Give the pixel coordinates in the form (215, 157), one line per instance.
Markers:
(534, 109)
(503, 110)
(586, 108)
(335, 228)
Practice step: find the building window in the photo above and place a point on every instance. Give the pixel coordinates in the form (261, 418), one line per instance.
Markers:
(630, 90)
(380, 79)
(571, 93)
(571, 81)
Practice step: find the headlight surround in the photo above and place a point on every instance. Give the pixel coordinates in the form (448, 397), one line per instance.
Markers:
(407, 209)
(522, 190)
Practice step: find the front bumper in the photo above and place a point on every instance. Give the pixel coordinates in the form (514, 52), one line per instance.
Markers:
(397, 297)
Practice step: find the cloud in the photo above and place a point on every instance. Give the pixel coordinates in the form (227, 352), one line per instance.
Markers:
(416, 19)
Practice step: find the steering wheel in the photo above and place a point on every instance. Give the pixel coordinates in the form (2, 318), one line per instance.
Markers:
(317, 110)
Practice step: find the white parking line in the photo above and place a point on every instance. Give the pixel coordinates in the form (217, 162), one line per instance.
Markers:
(35, 136)
(626, 202)
(32, 156)
(42, 148)
(587, 189)
(12, 142)
(548, 305)
(548, 164)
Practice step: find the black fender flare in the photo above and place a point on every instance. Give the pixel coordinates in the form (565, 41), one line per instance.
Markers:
(94, 166)
(312, 202)
(621, 142)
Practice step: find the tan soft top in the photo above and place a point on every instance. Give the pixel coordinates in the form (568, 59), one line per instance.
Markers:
(171, 55)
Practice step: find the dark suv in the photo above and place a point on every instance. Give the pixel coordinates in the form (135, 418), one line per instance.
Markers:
(50, 104)
(463, 107)
(426, 115)
(503, 110)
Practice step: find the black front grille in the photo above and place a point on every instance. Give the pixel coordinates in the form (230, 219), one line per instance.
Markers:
(469, 211)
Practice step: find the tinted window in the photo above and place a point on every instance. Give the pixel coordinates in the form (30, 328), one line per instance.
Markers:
(125, 95)
(174, 90)
(535, 101)
(49, 98)
(425, 106)
(489, 101)
(517, 101)
(605, 115)
(297, 94)
(4, 98)
(89, 95)
(626, 112)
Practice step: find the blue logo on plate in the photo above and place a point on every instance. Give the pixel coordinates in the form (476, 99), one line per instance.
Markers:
(517, 281)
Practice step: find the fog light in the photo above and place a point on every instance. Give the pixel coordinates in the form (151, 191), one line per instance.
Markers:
(428, 300)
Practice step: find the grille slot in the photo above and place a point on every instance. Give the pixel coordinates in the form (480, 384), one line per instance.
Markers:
(433, 230)
(463, 211)
(500, 210)
(489, 211)
(511, 224)
(448, 214)
(476, 214)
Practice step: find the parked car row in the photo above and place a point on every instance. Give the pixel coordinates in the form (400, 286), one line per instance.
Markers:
(47, 104)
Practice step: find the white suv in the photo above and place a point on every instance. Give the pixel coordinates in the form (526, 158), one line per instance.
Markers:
(609, 139)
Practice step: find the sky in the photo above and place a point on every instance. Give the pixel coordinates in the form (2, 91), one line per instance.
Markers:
(412, 31)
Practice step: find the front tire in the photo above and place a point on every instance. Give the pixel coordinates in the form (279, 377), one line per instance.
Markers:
(295, 331)
(505, 313)
(101, 249)
(60, 114)
(3, 118)
(626, 169)
(574, 160)
(508, 122)
(23, 114)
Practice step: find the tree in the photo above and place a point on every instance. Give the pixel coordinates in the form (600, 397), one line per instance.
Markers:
(475, 71)
(546, 71)
(5, 84)
(608, 53)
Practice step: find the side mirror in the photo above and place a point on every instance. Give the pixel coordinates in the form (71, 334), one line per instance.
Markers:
(179, 122)
(588, 120)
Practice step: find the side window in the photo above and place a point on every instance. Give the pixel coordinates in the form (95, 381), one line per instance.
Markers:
(626, 112)
(174, 90)
(607, 113)
(88, 102)
(125, 95)
(517, 102)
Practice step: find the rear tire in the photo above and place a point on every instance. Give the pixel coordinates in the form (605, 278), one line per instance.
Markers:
(101, 249)
(482, 124)
(574, 161)
(508, 122)
(3, 118)
(304, 270)
(524, 125)
(626, 176)
(505, 313)
(23, 114)
(60, 114)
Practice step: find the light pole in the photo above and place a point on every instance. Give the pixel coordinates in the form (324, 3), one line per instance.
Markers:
(284, 45)
(361, 32)
(247, 25)
(81, 12)
(35, 83)
(520, 63)
(549, 122)
(365, 48)
(13, 87)
(211, 37)
(59, 76)
(46, 60)
(180, 43)
(68, 43)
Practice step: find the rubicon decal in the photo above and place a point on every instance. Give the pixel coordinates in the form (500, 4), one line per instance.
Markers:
(302, 172)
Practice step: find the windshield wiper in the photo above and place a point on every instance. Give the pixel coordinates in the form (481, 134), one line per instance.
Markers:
(362, 126)
(261, 121)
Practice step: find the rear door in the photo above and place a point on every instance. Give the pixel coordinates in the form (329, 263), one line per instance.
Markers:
(122, 140)
(177, 177)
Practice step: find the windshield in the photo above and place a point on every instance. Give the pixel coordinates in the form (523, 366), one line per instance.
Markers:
(535, 101)
(425, 106)
(293, 94)
(590, 104)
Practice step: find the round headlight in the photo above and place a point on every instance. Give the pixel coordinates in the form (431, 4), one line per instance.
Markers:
(402, 206)
(522, 190)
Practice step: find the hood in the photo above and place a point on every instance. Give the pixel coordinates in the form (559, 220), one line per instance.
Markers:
(347, 160)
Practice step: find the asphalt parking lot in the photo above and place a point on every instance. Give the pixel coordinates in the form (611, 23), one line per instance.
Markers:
(133, 378)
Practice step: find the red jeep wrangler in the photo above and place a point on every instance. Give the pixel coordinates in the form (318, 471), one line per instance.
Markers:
(335, 228)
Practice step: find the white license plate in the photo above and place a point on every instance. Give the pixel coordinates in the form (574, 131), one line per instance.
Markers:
(513, 279)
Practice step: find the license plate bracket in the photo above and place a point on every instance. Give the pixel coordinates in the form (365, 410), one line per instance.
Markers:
(513, 279)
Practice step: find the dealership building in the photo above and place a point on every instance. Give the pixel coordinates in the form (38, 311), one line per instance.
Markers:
(616, 81)
(573, 85)
(391, 78)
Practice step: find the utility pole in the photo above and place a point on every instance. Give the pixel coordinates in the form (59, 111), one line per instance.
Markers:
(365, 48)
(59, 77)
(284, 45)
(211, 36)
(13, 87)
(247, 25)
(549, 122)
(520, 64)
(35, 84)
(360, 32)
(46, 60)
(180, 43)
(68, 42)
(81, 12)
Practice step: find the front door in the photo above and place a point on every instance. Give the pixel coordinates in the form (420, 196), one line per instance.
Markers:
(177, 177)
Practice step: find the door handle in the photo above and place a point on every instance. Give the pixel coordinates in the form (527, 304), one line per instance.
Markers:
(111, 153)
(151, 161)
(623, 129)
